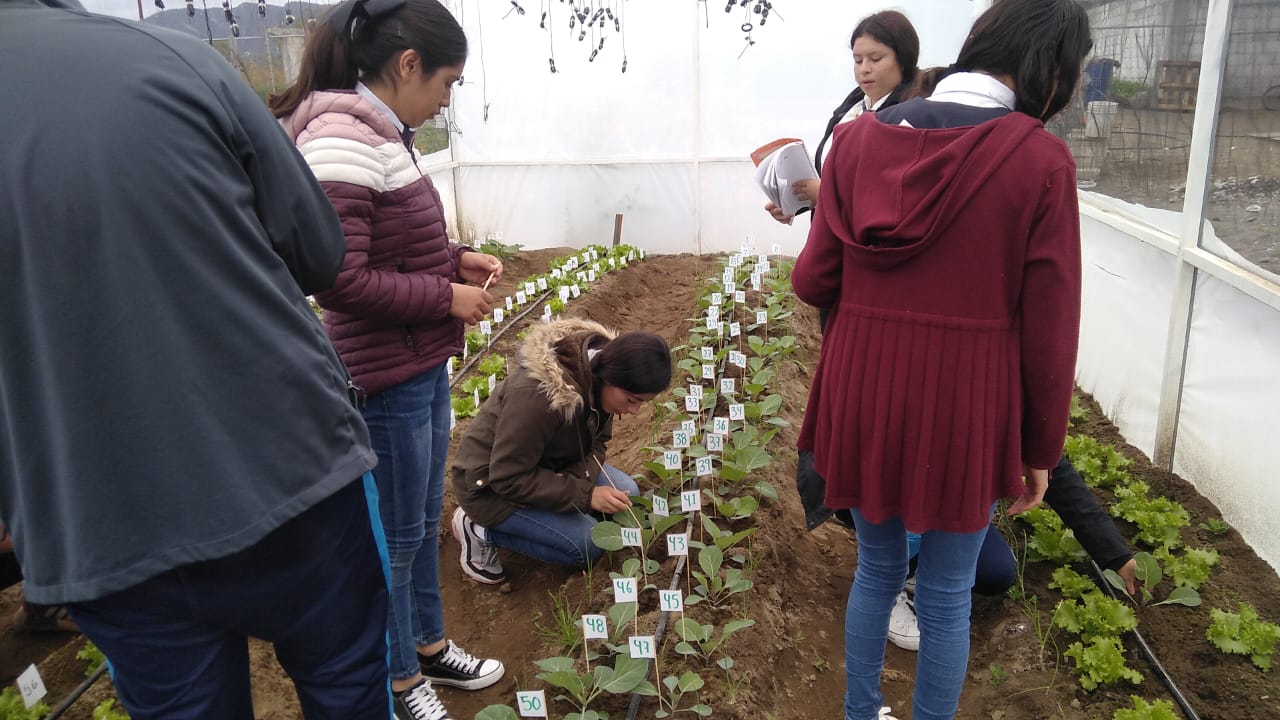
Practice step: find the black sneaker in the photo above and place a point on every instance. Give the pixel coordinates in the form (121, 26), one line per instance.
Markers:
(419, 703)
(455, 667)
(479, 556)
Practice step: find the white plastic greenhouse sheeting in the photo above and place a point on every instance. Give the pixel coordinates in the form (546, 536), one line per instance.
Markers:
(666, 144)
(1226, 443)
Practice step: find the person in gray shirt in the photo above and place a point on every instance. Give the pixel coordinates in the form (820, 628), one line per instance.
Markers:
(181, 463)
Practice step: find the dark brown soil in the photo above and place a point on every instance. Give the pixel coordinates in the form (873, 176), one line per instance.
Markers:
(790, 665)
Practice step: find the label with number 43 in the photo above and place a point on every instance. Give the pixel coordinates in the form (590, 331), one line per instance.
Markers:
(532, 703)
(677, 544)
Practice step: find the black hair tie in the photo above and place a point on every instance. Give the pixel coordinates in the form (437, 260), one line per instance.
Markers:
(342, 16)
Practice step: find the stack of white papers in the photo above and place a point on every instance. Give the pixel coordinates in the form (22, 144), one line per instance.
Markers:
(777, 173)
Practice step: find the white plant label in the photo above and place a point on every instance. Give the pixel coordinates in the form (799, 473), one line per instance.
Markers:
(532, 703)
(690, 501)
(735, 260)
(671, 458)
(546, 313)
(642, 253)
(727, 277)
(740, 296)
(763, 258)
(498, 315)
(680, 439)
(716, 299)
(713, 313)
(448, 367)
(721, 329)
(690, 427)
(623, 261)
(564, 293)
(591, 275)
(715, 443)
(575, 290)
(775, 249)
(486, 327)
(475, 395)
(555, 273)
(696, 391)
(660, 507)
(672, 600)
(631, 256)
(530, 288)
(755, 281)
(31, 686)
(542, 284)
(453, 420)
(737, 411)
(677, 544)
(726, 386)
(595, 627)
(624, 590)
(704, 466)
(595, 255)
(642, 646)
(631, 537)
(737, 359)
(508, 301)
(613, 263)
(762, 317)
(765, 267)
(586, 256)
(712, 323)
(707, 354)
(720, 426)
(521, 298)
(493, 382)
(708, 371)
(735, 329)
(730, 288)
(692, 404)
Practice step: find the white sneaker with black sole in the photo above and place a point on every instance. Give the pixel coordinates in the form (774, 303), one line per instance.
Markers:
(456, 667)
(419, 703)
(903, 629)
(479, 556)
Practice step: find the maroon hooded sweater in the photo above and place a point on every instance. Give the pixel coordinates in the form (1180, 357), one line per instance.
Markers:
(951, 259)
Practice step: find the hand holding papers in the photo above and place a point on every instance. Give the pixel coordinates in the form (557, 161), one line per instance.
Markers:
(779, 165)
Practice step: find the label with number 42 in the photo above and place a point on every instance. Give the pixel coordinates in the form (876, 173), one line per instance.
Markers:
(660, 507)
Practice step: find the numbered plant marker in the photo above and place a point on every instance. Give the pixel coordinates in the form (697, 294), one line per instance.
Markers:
(775, 249)
(642, 253)
(475, 395)
(737, 359)
(486, 327)
(708, 354)
(532, 703)
(735, 260)
(690, 427)
(763, 258)
(660, 506)
(765, 267)
(690, 501)
(613, 263)
(530, 288)
(671, 600)
(564, 293)
(730, 289)
(448, 367)
(642, 646)
(704, 466)
(595, 255)
(740, 296)
(591, 275)
(716, 299)
(575, 290)
(542, 284)
(498, 315)
(453, 420)
(546, 313)
(696, 391)
(715, 443)
(727, 277)
(692, 404)
(624, 590)
(507, 299)
(631, 537)
(762, 317)
(521, 298)
(720, 426)
(755, 281)
(677, 544)
(631, 256)
(708, 371)
(726, 386)
(671, 460)
(735, 329)
(31, 686)
(680, 439)
(586, 256)
(555, 273)
(737, 411)
(713, 313)
(712, 322)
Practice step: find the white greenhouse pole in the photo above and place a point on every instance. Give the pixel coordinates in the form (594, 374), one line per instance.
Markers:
(697, 124)
(1204, 130)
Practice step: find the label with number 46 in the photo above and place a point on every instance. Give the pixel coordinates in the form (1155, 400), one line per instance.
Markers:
(624, 590)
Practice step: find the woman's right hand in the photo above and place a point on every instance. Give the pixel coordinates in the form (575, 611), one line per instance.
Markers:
(608, 499)
(470, 303)
(778, 214)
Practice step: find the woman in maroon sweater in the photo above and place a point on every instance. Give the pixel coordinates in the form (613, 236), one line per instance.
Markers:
(946, 240)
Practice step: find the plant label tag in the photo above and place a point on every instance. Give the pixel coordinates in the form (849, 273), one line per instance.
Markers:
(735, 329)
(726, 386)
(546, 313)
(466, 349)
(521, 298)
(448, 367)
(737, 411)
(475, 395)
(623, 261)
(708, 371)
(680, 439)
(530, 288)
(493, 382)
(555, 273)
(581, 277)
(31, 686)
(631, 537)
(594, 255)
(671, 459)
(571, 263)
(631, 256)
(763, 258)
(716, 299)
(642, 646)
(498, 315)
(532, 703)
(595, 627)
(704, 466)
(720, 426)
(713, 313)
(735, 260)
(730, 288)
(624, 590)
(542, 284)
(486, 327)
(727, 276)
(712, 322)
(739, 296)
(721, 329)
(613, 263)
(575, 290)
(508, 302)
(660, 507)
(765, 267)
(707, 354)
(737, 359)
(672, 600)
(755, 281)
(692, 404)
(591, 275)
(715, 443)
(696, 391)
(690, 427)
(677, 544)
(775, 249)
(690, 501)
(453, 420)
(586, 256)
(762, 317)
(564, 293)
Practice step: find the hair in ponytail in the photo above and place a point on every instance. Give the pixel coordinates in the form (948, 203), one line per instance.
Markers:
(362, 38)
(638, 362)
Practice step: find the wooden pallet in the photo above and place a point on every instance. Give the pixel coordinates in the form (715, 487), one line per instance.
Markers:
(1176, 85)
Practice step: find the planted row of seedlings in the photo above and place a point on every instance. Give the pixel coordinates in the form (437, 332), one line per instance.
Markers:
(1097, 620)
(690, 532)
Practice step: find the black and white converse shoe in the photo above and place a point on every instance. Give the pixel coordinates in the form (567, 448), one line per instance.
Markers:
(455, 667)
(479, 556)
(419, 703)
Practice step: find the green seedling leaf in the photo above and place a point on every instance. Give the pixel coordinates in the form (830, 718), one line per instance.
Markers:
(710, 559)
(1182, 596)
(1159, 710)
(725, 663)
(692, 630)
(701, 710)
(497, 712)
(690, 682)
(766, 490)
(1101, 662)
(684, 648)
(607, 535)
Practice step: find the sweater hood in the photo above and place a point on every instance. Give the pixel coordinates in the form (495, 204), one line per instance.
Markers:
(555, 354)
(346, 109)
(896, 189)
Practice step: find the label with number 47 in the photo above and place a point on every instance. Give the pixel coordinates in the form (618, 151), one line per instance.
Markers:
(532, 703)
(642, 646)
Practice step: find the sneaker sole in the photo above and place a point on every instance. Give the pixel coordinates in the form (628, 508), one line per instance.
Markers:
(904, 642)
(459, 534)
(479, 683)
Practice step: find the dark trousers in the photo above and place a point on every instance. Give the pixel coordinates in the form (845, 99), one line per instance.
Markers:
(314, 587)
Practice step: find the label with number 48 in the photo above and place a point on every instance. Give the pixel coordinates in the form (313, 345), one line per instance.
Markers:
(595, 627)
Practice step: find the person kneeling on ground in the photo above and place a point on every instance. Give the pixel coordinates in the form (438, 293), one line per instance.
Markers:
(530, 469)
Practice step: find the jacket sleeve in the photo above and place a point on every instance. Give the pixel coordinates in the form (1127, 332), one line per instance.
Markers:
(593, 463)
(523, 427)
(817, 273)
(1076, 504)
(1050, 319)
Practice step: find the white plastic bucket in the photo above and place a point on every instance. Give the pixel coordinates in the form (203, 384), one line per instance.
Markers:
(1099, 115)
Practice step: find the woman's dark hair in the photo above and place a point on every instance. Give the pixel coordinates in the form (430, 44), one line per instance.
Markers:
(638, 362)
(894, 30)
(361, 38)
(1041, 44)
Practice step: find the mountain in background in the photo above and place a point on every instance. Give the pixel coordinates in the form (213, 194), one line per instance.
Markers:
(250, 46)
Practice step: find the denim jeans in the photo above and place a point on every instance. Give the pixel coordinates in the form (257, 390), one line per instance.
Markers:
(944, 581)
(558, 538)
(409, 431)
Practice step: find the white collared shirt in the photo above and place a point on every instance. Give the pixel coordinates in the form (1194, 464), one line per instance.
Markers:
(861, 107)
(363, 91)
(975, 90)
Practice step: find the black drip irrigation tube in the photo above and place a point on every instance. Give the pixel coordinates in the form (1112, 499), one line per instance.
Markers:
(536, 303)
(1150, 654)
(70, 700)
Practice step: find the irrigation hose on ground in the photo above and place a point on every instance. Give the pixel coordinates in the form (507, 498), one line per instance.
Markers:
(536, 303)
(75, 694)
(1150, 654)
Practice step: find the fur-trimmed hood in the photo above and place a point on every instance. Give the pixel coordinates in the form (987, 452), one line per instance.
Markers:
(555, 354)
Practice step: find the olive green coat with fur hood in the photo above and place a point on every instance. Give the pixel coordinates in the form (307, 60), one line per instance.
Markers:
(539, 440)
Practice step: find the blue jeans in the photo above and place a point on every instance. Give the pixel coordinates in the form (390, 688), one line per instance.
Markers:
(997, 567)
(944, 581)
(409, 431)
(558, 538)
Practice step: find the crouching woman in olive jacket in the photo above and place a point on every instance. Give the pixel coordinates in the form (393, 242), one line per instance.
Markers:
(531, 468)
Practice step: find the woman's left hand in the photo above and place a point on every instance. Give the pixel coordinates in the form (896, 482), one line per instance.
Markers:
(1037, 482)
(475, 268)
(806, 190)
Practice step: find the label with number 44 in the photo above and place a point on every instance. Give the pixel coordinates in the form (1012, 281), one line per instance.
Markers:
(532, 703)
(631, 537)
